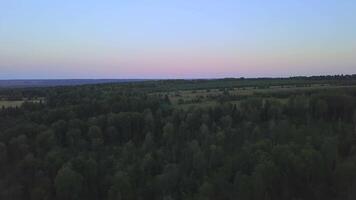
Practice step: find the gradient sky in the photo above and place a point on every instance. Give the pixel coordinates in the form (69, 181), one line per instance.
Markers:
(176, 38)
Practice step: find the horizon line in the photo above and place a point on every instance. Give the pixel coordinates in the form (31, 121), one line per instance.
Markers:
(188, 78)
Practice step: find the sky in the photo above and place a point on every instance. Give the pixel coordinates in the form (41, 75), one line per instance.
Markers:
(41, 39)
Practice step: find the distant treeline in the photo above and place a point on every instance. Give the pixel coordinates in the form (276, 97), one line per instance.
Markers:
(59, 82)
(196, 84)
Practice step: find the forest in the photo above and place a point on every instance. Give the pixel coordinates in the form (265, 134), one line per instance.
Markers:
(245, 139)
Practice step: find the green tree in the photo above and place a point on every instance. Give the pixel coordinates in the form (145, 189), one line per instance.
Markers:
(73, 137)
(45, 141)
(149, 143)
(68, 184)
(95, 136)
(121, 188)
(206, 191)
(3, 153)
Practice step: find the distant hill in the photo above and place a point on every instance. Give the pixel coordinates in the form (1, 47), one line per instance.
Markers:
(59, 82)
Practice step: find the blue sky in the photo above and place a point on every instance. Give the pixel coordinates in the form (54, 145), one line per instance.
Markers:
(176, 39)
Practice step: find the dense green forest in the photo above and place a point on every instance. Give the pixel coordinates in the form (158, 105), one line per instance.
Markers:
(246, 139)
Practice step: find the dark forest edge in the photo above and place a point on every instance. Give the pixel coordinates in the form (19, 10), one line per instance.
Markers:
(266, 138)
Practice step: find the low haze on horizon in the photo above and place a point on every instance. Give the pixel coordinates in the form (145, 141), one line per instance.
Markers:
(176, 39)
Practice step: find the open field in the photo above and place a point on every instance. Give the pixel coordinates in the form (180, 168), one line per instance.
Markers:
(17, 103)
(7, 104)
(186, 98)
